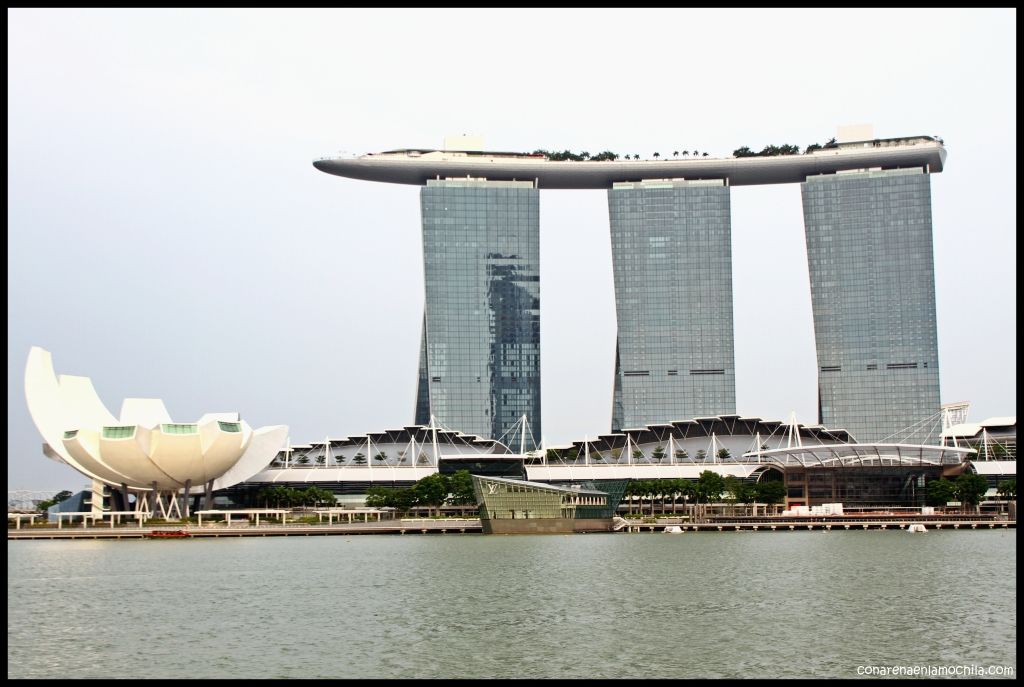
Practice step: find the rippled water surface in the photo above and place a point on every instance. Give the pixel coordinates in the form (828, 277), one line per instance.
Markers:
(730, 604)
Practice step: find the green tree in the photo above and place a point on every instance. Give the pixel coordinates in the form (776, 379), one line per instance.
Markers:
(460, 487)
(970, 489)
(1007, 489)
(940, 492)
(303, 459)
(681, 454)
(743, 152)
(710, 486)
(379, 497)
(324, 497)
(724, 454)
(403, 499)
(733, 491)
(657, 155)
(701, 455)
(675, 153)
(637, 455)
(811, 148)
(653, 491)
(381, 457)
(430, 491)
(675, 488)
(658, 454)
(772, 491)
(687, 490)
(359, 459)
(831, 143)
(704, 154)
(62, 495)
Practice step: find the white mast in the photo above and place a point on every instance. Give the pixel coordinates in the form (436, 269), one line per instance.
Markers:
(522, 435)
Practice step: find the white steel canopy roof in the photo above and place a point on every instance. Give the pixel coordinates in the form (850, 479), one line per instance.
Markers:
(863, 455)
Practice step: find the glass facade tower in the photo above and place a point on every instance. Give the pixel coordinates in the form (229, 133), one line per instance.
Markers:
(869, 253)
(672, 263)
(480, 354)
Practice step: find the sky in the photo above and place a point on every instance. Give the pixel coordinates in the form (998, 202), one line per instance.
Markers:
(169, 238)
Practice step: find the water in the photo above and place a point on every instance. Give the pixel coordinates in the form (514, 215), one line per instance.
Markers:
(746, 604)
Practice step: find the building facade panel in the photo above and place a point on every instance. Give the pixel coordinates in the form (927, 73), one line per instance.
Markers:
(480, 359)
(870, 260)
(672, 262)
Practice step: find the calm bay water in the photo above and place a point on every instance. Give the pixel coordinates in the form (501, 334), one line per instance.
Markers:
(731, 604)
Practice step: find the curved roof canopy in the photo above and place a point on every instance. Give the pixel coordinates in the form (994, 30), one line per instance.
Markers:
(863, 455)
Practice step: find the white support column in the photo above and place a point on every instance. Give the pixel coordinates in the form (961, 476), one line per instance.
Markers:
(433, 427)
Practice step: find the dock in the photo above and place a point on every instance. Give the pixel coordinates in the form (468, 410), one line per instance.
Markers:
(404, 526)
(472, 526)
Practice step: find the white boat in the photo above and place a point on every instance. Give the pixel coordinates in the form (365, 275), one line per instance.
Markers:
(916, 527)
(674, 529)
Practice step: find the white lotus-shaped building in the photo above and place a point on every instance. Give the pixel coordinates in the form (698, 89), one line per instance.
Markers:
(142, 450)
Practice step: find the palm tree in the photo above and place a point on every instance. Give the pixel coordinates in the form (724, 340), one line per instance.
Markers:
(705, 154)
(675, 153)
(686, 152)
(636, 156)
(657, 155)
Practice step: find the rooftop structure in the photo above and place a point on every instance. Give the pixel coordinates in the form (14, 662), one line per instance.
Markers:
(993, 439)
(417, 165)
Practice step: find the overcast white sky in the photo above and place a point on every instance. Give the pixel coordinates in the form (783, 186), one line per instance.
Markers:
(169, 237)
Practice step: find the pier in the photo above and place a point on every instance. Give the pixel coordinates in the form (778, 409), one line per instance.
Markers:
(472, 526)
(403, 526)
(827, 524)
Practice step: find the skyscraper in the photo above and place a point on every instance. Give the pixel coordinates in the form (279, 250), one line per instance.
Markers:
(480, 354)
(869, 248)
(869, 253)
(672, 262)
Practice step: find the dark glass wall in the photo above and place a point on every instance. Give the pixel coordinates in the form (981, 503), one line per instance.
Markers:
(480, 360)
(672, 260)
(869, 253)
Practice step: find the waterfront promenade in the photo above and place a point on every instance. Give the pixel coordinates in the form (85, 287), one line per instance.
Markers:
(472, 526)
